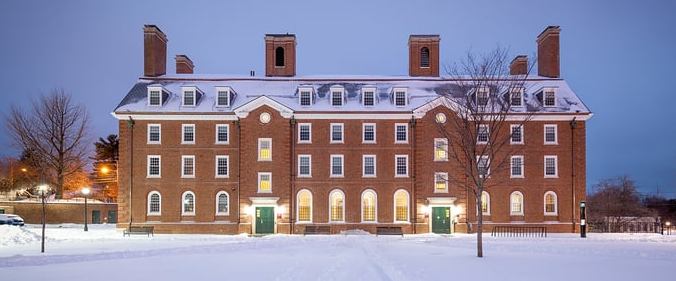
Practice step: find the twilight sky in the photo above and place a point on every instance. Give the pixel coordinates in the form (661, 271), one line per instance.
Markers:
(618, 56)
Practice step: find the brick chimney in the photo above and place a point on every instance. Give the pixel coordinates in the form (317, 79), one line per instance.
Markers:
(548, 52)
(184, 65)
(423, 55)
(519, 65)
(280, 55)
(154, 51)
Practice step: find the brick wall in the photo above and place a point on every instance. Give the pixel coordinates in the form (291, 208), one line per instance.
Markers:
(31, 212)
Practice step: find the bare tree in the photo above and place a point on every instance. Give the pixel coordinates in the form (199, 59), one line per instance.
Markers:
(487, 101)
(616, 202)
(56, 132)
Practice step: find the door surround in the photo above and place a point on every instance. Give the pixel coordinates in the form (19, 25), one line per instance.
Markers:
(440, 202)
(263, 202)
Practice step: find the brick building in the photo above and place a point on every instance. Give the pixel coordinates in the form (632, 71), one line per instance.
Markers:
(273, 154)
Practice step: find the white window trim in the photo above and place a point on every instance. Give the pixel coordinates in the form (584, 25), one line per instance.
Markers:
(194, 202)
(342, 133)
(544, 97)
(228, 202)
(556, 204)
(488, 204)
(375, 201)
(227, 130)
(445, 142)
(371, 90)
(300, 95)
(363, 130)
(342, 163)
(342, 195)
(152, 89)
(556, 134)
(395, 133)
(408, 206)
(342, 95)
(228, 93)
(445, 176)
(310, 132)
(394, 96)
(478, 133)
(194, 166)
(363, 166)
(519, 90)
(159, 175)
(487, 90)
(511, 129)
(259, 182)
(194, 133)
(160, 134)
(159, 212)
(298, 206)
(309, 156)
(511, 167)
(395, 166)
(258, 152)
(523, 204)
(227, 159)
(556, 166)
(194, 98)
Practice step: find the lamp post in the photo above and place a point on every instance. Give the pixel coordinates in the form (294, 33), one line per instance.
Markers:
(43, 190)
(85, 192)
(583, 219)
(668, 227)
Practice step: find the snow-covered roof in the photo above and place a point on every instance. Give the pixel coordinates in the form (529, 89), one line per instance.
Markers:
(284, 90)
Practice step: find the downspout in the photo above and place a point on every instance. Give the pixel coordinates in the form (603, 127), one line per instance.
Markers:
(573, 125)
(292, 183)
(413, 203)
(130, 126)
(239, 170)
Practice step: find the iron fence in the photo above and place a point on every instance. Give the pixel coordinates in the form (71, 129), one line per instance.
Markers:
(519, 231)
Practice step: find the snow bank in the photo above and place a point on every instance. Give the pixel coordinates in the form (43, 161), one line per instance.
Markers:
(15, 235)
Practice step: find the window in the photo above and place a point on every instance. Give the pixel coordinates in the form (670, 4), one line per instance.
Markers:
(305, 98)
(368, 206)
(400, 98)
(368, 97)
(336, 165)
(154, 134)
(336, 132)
(222, 134)
(551, 169)
(188, 206)
(401, 167)
(483, 134)
(337, 96)
(483, 166)
(551, 134)
(188, 166)
(304, 133)
(304, 206)
(400, 133)
(222, 166)
(368, 166)
(264, 182)
(440, 182)
(516, 97)
(189, 97)
(485, 203)
(368, 133)
(482, 96)
(223, 98)
(279, 57)
(337, 206)
(424, 57)
(188, 134)
(154, 164)
(304, 166)
(551, 204)
(517, 134)
(222, 204)
(516, 169)
(516, 204)
(154, 203)
(401, 206)
(440, 149)
(154, 96)
(265, 149)
(549, 98)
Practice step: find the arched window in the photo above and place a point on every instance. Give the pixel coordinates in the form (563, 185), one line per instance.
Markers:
(424, 57)
(369, 206)
(304, 206)
(551, 203)
(516, 203)
(337, 206)
(279, 56)
(154, 203)
(401, 206)
(222, 203)
(485, 203)
(188, 204)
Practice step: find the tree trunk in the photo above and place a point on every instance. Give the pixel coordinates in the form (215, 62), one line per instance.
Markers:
(479, 229)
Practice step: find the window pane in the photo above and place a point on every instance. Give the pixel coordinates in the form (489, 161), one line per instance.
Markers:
(401, 133)
(549, 99)
(516, 98)
(189, 98)
(336, 133)
(223, 203)
(517, 166)
(369, 166)
(369, 207)
(155, 97)
(265, 150)
(482, 135)
(369, 99)
(155, 203)
(550, 166)
(222, 168)
(516, 134)
(304, 206)
(401, 206)
(222, 134)
(400, 98)
(223, 98)
(188, 203)
(337, 206)
(154, 164)
(440, 183)
(369, 133)
(154, 134)
(188, 133)
(188, 166)
(264, 183)
(336, 98)
(305, 98)
(440, 150)
(550, 134)
(304, 166)
(402, 166)
(336, 166)
(304, 132)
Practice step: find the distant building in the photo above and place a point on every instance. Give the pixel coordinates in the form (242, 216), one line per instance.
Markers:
(273, 154)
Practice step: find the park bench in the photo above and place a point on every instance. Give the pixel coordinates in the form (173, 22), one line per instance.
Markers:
(317, 229)
(147, 230)
(389, 230)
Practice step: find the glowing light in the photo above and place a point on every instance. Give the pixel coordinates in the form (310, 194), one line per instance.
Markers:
(668, 223)
(85, 191)
(248, 210)
(105, 170)
(425, 209)
(43, 189)
(24, 170)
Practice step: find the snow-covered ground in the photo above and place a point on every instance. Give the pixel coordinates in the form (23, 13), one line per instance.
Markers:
(103, 254)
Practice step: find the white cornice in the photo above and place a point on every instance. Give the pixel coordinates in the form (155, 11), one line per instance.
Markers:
(369, 116)
(173, 117)
(244, 110)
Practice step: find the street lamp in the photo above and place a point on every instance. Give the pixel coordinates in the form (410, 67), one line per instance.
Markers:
(85, 191)
(668, 227)
(43, 190)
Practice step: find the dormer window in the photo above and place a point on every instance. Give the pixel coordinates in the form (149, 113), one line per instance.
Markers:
(516, 97)
(400, 98)
(368, 96)
(155, 96)
(549, 97)
(305, 96)
(223, 96)
(189, 96)
(482, 95)
(337, 96)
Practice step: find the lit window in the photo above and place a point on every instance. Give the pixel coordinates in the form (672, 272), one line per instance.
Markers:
(401, 133)
(264, 149)
(337, 202)
(400, 98)
(154, 96)
(485, 203)
(305, 98)
(336, 165)
(368, 206)
(440, 149)
(517, 134)
(482, 96)
(440, 182)
(516, 97)
(154, 134)
(304, 166)
(549, 98)
(551, 170)
(188, 134)
(336, 132)
(516, 166)
(550, 134)
(222, 203)
(368, 166)
(222, 134)
(154, 203)
(304, 206)
(188, 204)
(304, 133)
(483, 135)
(551, 204)
(369, 97)
(264, 182)
(154, 166)
(188, 166)
(401, 167)
(222, 166)
(516, 204)
(401, 206)
(483, 166)
(369, 133)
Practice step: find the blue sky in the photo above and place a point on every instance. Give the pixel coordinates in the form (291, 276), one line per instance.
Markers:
(619, 56)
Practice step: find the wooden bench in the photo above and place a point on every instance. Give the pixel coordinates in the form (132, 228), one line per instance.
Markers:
(147, 230)
(317, 229)
(389, 230)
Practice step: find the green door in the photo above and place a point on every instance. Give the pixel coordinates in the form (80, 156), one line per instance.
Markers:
(112, 216)
(96, 217)
(441, 220)
(265, 220)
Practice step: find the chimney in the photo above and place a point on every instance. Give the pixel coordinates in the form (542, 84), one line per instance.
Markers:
(154, 51)
(548, 52)
(423, 55)
(184, 65)
(280, 55)
(519, 65)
